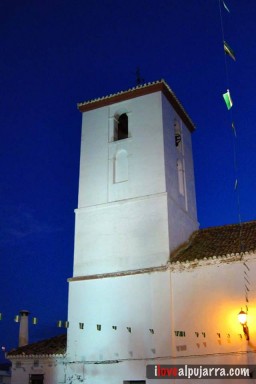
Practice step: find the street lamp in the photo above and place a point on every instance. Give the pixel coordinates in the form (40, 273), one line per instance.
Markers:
(242, 317)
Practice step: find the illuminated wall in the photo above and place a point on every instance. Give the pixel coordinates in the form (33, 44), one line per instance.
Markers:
(115, 215)
(207, 297)
(132, 212)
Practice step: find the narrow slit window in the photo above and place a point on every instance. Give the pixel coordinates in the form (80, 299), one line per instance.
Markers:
(178, 136)
(181, 180)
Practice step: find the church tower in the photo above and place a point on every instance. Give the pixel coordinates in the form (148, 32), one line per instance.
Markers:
(136, 205)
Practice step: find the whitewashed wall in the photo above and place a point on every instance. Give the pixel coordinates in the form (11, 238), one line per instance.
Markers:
(122, 236)
(135, 223)
(192, 309)
(207, 299)
(182, 213)
(53, 369)
(141, 302)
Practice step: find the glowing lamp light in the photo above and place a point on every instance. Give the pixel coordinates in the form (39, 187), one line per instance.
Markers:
(242, 317)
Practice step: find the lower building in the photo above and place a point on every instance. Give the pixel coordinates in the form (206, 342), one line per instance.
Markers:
(39, 363)
(191, 306)
(188, 312)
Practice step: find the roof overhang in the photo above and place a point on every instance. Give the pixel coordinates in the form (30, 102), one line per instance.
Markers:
(141, 90)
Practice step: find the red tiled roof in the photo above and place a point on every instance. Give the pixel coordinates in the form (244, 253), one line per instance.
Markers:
(53, 346)
(218, 241)
(140, 90)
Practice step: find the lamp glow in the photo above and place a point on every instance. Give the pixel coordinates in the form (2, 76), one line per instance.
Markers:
(242, 317)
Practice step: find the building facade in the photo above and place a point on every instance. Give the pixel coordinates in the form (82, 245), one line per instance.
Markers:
(133, 300)
(148, 288)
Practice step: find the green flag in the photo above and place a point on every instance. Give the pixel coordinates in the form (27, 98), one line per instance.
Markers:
(228, 99)
(229, 51)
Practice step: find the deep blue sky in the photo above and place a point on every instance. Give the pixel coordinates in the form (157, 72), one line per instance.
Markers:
(55, 53)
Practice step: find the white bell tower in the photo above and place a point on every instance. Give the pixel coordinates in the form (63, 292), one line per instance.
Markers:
(136, 205)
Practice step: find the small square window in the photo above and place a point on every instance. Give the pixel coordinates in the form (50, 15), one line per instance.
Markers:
(135, 382)
(36, 363)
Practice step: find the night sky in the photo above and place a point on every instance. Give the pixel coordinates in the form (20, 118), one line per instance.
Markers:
(56, 53)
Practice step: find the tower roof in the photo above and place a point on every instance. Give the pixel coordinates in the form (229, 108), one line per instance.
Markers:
(140, 90)
(218, 241)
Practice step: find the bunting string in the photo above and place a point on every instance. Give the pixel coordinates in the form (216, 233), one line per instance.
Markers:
(229, 52)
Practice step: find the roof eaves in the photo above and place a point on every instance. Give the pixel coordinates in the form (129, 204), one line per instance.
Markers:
(33, 356)
(140, 90)
(182, 265)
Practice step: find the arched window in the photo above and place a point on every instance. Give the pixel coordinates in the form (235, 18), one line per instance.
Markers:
(121, 167)
(121, 128)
